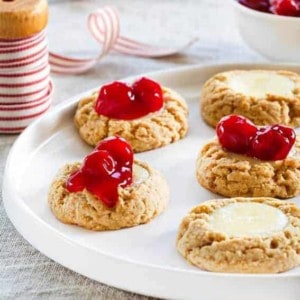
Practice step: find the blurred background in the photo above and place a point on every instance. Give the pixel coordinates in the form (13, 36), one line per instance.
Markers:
(158, 22)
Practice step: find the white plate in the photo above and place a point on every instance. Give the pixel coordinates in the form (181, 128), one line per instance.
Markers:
(142, 259)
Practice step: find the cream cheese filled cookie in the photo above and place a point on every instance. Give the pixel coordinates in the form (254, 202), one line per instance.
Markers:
(265, 97)
(109, 190)
(147, 115)
(250, 161)
(241, 235)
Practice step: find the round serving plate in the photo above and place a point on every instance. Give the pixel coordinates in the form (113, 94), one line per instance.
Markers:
(142, 259)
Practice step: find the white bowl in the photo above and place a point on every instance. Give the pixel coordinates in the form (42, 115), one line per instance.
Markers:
(275, 37)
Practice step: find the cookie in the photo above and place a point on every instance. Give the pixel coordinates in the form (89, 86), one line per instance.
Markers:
(22, 18)
(264, 97)
(234, 175)
(241, 235)
(137, 204)
(152, 131)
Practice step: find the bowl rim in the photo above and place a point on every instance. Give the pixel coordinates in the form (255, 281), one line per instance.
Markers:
(261, 14)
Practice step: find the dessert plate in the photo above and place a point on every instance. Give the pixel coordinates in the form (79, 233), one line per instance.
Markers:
(142, 259)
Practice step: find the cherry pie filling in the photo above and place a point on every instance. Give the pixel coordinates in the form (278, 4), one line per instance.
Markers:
(119, 100)
(239, 135)
(108, 167)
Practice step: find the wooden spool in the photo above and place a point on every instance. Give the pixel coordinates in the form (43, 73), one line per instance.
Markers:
(22, 18)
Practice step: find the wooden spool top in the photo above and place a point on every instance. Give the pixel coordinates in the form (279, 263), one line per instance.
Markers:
(22, 18)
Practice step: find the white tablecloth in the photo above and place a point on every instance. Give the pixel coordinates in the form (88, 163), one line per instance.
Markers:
(24, 272)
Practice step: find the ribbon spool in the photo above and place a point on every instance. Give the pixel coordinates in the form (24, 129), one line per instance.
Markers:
(25, 85)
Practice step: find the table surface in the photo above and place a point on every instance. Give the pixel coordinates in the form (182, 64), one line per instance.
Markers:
(28, 274)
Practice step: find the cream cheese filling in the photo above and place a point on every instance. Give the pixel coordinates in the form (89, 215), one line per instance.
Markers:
(259, 84)
(248, 219)
(140, 174)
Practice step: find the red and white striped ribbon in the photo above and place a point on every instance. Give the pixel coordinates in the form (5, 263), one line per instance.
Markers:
(104, 25)
(25, 85)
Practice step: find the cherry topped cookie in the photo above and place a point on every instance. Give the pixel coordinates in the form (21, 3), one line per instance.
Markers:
(250, 161)
(109, 190)
(263, 96)
(146, 114)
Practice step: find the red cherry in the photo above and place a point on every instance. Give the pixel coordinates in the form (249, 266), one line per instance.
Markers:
(273, 143)
(119, 149)
(114, 99)
(149, 93)
(98, 163)
(260, 5)
(235, 133)
(75, 182)
(286, 131)
(120, 101)
(286, 8)
(106, 191)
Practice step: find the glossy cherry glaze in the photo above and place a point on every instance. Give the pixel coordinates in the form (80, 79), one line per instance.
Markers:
(108, 167)
(118, 100)
(273, 142)
(235, 133)
(260, 5)
(286, 8)
(239, 135)
(279, 7)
